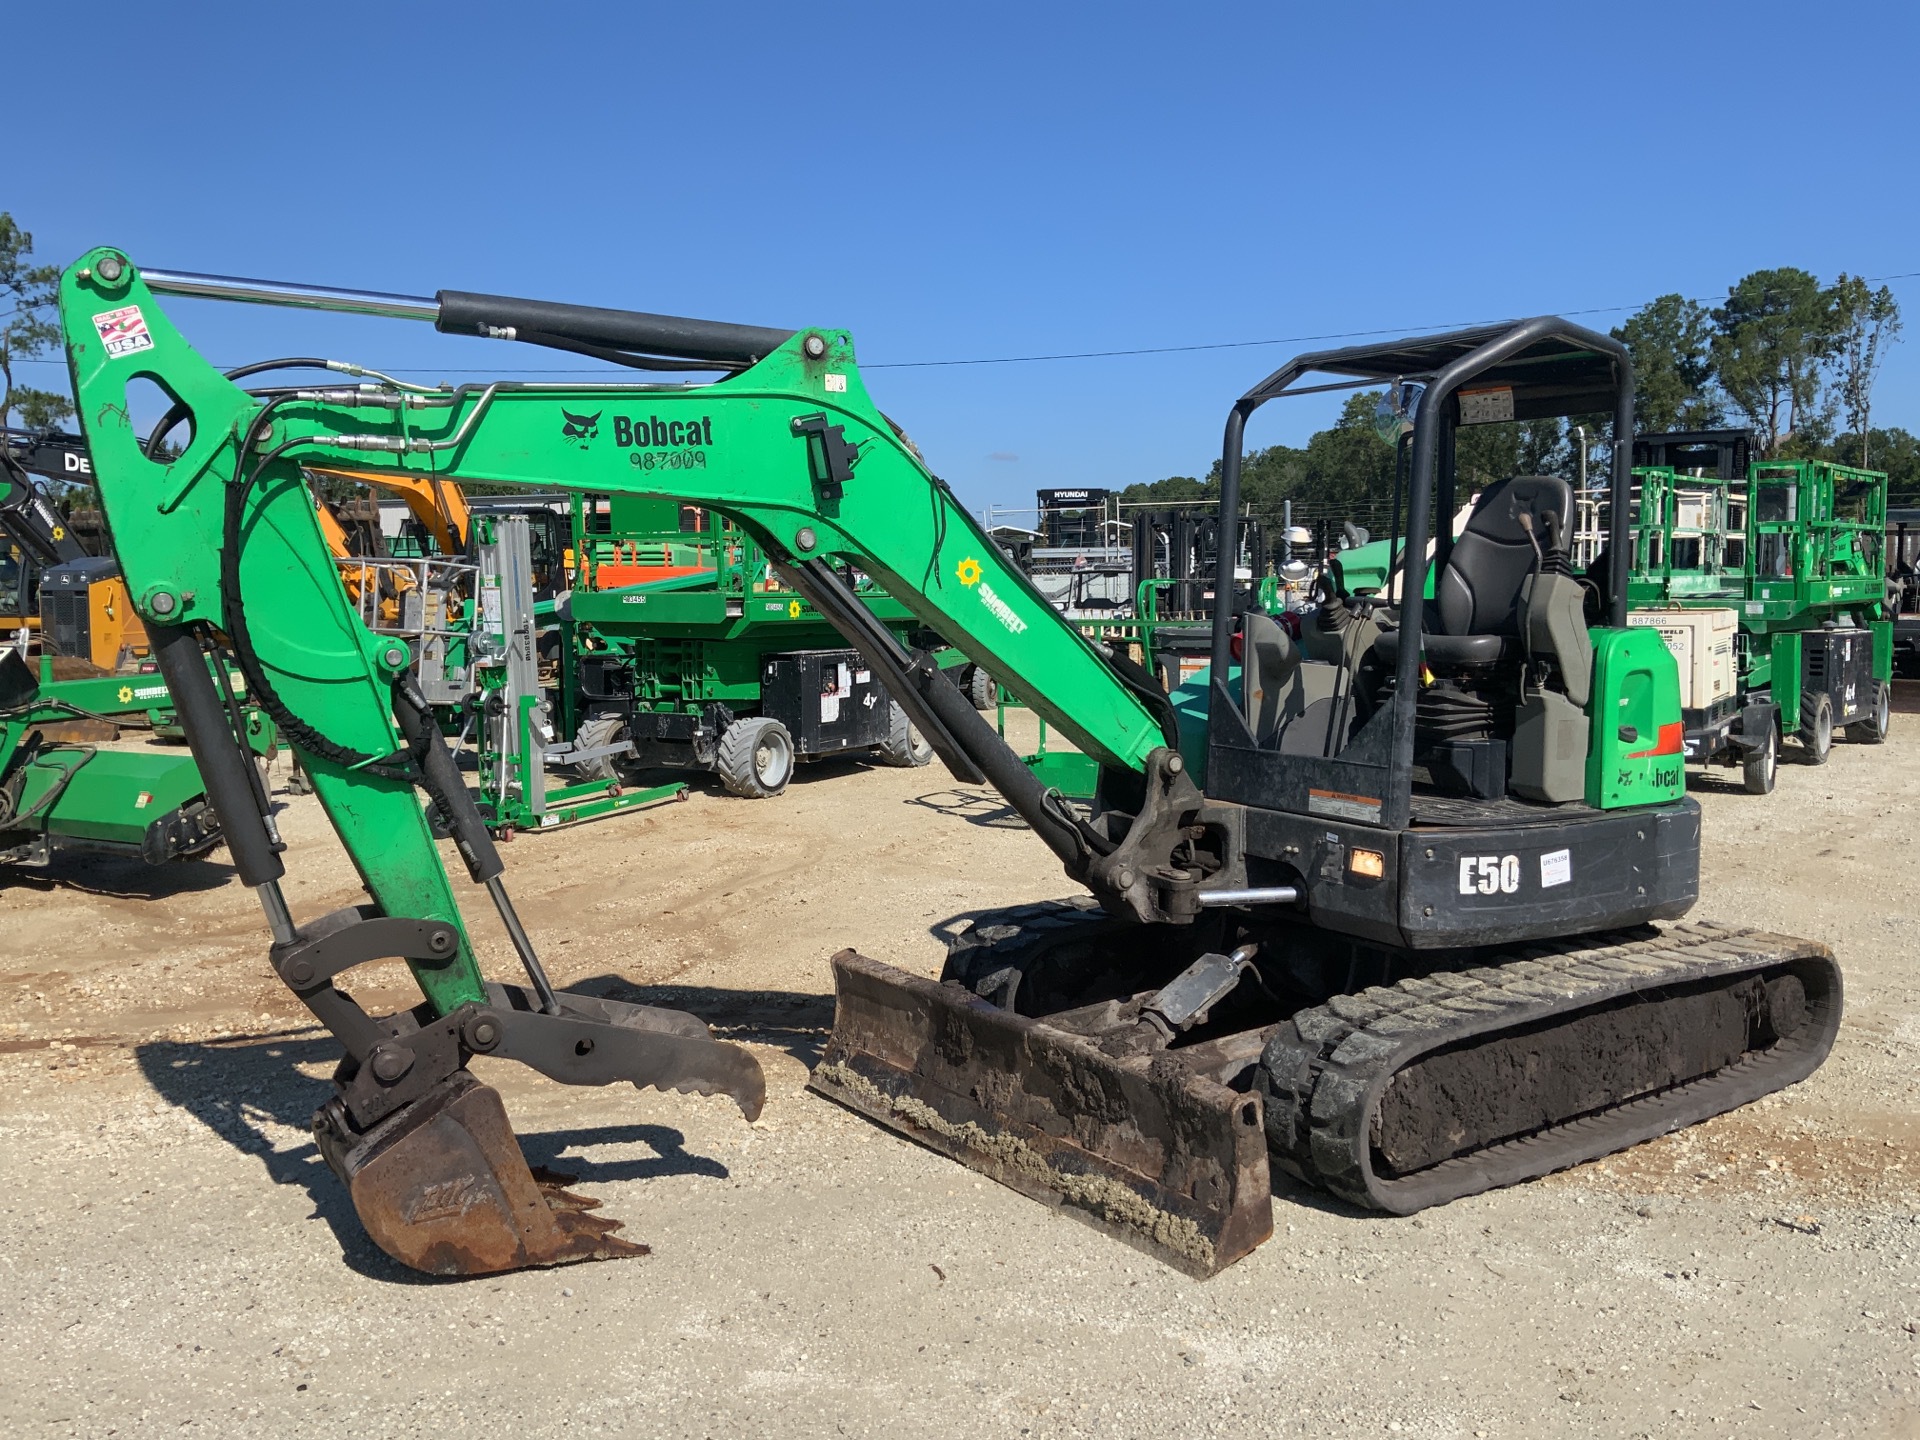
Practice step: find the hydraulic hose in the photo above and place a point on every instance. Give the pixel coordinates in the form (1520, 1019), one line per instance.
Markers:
(179, 410)
(440, 777)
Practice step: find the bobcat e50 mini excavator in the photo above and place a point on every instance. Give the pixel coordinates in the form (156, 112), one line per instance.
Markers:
(1375, 902)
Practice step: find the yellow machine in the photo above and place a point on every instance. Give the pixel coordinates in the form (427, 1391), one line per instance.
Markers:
(76, 601)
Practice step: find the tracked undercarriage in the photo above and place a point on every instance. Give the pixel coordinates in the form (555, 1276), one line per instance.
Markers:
(1114, 1072)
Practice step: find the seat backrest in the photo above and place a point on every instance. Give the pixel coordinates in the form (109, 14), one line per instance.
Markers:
(1479, 592)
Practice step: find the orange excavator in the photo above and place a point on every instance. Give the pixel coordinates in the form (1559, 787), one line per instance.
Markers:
(437, 506)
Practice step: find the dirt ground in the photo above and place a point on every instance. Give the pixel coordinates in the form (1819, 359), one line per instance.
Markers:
(175, 1259)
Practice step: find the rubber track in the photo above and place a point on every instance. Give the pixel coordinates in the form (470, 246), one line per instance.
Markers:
(1324, 1074)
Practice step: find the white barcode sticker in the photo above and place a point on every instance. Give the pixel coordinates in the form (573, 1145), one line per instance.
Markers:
(1556, 868)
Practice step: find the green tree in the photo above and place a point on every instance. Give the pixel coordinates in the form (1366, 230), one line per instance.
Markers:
(1671, 341)
(1866, 322)
(1174, 490)
(29, 329)
(1484, 454)
(1773, 338)
(1894, 451)
(1348, 463)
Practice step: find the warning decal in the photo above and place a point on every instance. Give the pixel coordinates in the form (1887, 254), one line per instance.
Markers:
(123, 331)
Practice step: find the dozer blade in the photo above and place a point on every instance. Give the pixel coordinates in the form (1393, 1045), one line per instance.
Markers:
(441, 1186)
(1163, 1158)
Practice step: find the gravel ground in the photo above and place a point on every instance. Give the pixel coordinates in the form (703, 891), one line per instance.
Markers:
(176, 1257)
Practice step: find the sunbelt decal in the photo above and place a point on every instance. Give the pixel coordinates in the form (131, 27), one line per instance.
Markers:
(968, 574)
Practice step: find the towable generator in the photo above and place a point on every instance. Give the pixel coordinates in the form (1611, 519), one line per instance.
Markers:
(1377, 904)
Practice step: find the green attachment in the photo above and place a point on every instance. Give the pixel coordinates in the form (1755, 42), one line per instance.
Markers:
(571, 804)
(1074, 775)
(1638, 748)
(111, 797)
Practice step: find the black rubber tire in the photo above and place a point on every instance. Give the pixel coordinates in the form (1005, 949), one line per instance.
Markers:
(1816, 727)
(756, 758)
(992, 955)
(603, 727)
(1762, 765)
(981, 690)
(903, 746)
(1873, 730)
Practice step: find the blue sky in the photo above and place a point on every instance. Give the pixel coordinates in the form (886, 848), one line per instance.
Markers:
(963, 182)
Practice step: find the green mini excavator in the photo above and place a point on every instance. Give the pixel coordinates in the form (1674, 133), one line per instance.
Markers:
(1377, 900)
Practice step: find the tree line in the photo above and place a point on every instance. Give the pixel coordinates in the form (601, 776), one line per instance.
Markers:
(1784, 355)
(1789, 358)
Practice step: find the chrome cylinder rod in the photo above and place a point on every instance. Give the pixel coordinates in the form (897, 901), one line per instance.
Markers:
(1267, 895)
(279, 918)
(298, 297)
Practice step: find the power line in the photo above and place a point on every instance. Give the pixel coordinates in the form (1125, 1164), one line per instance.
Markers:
(1417, 331)
(1291, 339)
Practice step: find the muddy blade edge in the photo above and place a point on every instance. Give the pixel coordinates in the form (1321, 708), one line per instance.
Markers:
(1168, 1161)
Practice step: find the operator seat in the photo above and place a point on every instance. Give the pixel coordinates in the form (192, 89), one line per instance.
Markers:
(1475, 615)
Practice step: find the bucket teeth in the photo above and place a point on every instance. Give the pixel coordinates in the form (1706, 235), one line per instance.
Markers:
(553, 1184)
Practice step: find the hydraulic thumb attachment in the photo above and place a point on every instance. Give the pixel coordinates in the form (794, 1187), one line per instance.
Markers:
(426, 1151)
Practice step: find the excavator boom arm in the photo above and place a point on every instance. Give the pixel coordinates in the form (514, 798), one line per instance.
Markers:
(791, 447)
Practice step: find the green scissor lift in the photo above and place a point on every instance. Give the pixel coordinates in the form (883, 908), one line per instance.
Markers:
(1768, 579)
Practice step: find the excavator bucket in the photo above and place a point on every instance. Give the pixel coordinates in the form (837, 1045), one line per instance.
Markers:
(1144, 1148)
(441, 1186)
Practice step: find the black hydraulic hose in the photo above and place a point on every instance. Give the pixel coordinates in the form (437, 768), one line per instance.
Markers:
(59, 787)
(285, 362)
(440, 778)
(223, 765)
(234, 620)
(1147, 689)
(179, 411)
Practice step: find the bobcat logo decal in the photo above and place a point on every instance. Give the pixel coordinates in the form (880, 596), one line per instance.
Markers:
(581, 428)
